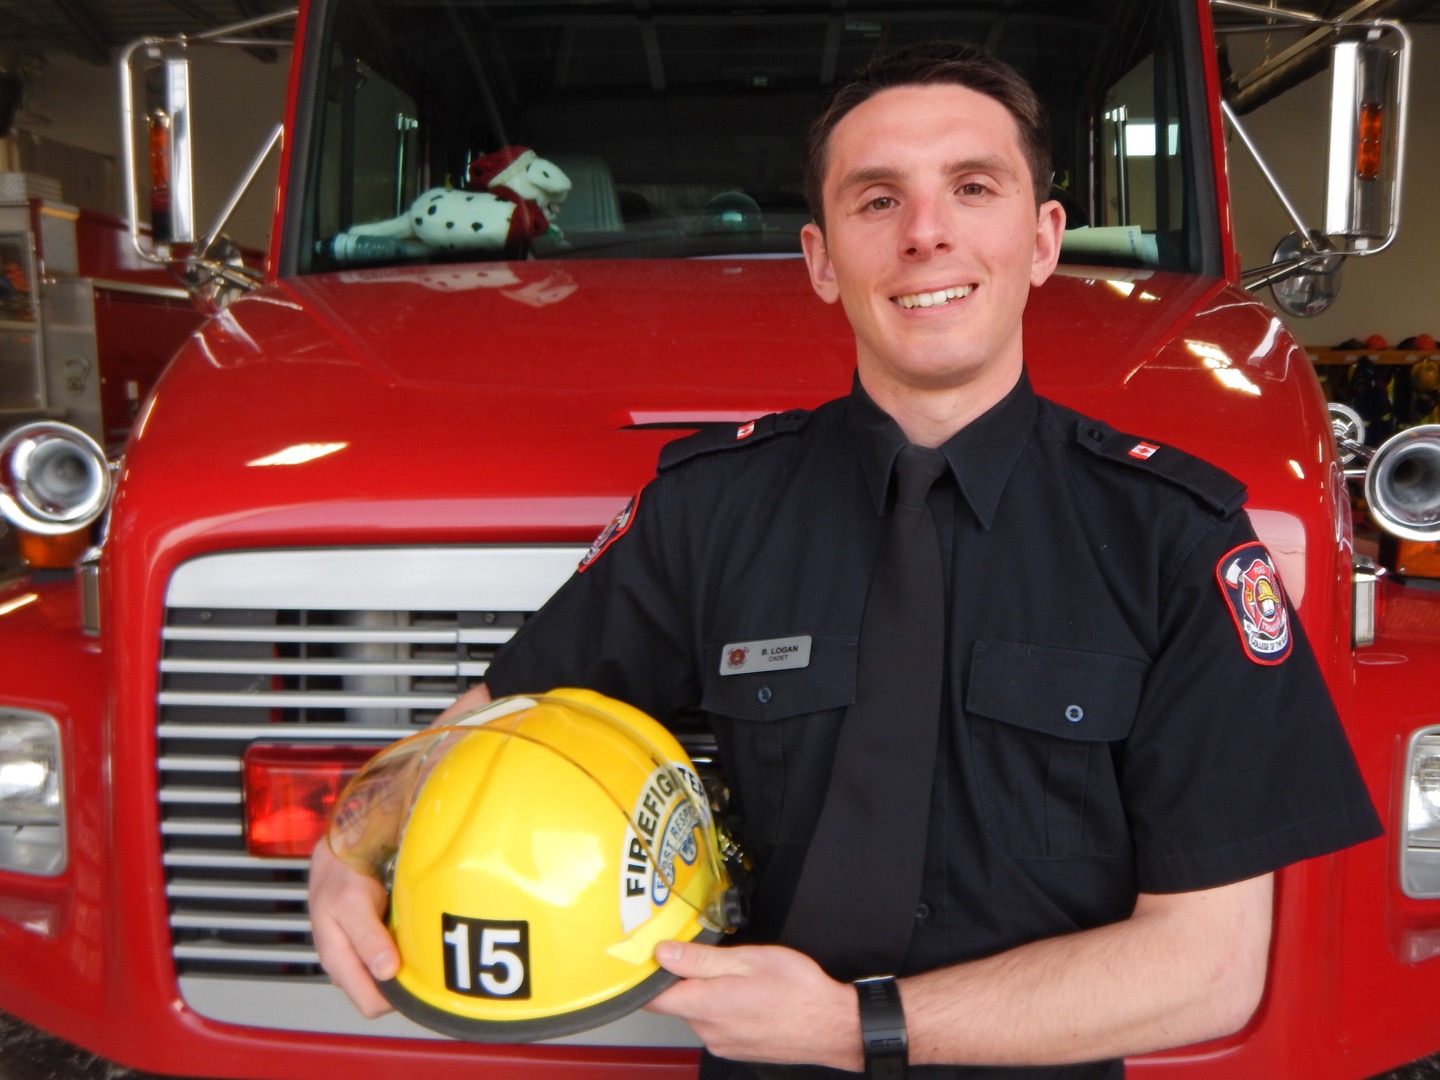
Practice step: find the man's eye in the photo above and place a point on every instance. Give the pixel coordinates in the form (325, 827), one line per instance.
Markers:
(881, 202)
(974, 188)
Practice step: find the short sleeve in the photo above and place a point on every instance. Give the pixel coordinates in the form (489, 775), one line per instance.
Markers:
(1237, 764)
(615, 626)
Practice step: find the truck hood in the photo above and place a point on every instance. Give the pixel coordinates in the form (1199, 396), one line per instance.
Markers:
(530, 399)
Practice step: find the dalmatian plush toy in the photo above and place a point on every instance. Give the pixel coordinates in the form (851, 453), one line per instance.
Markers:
(514, 196)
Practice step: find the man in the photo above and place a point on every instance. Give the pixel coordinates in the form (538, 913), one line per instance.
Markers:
(1116, 772)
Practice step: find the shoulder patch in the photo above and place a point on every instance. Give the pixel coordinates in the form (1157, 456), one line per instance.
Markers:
(1251, 588)
(617, 528)
(713, 438)
(1214, 487)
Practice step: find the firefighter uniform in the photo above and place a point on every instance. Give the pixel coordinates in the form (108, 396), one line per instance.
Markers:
(1129, 705)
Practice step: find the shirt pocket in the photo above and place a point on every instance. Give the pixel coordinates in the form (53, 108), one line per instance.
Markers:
(1043, 724)
(776, 732)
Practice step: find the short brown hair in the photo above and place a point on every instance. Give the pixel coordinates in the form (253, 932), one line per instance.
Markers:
(954, 61)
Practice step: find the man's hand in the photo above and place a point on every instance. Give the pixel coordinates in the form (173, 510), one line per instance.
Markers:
(761, 1003)
(355, 948)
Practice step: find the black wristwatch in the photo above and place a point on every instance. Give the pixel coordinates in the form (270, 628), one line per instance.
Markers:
(882, 1028)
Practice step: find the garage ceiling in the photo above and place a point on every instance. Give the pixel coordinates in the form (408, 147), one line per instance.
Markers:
(93, 29)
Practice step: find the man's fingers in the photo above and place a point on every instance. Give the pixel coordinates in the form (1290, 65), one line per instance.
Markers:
(347, 969)
(357, 916)
(353, 944)
(692, 961)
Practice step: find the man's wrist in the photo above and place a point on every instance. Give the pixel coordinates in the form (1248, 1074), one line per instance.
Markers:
(882, 1028)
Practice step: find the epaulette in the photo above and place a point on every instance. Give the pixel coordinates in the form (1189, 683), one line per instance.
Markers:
(1214, 487)
(713, 438)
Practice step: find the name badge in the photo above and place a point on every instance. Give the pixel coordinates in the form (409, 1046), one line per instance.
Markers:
(773, 654)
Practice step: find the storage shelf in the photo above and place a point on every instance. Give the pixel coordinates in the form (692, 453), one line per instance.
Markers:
(1380, 356)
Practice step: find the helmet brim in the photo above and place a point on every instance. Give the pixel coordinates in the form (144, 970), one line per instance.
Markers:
(534, 1029)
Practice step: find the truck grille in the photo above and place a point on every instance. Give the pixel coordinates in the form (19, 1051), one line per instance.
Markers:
(309, 647)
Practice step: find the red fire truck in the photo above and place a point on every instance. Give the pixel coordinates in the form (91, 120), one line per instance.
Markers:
(359, 477)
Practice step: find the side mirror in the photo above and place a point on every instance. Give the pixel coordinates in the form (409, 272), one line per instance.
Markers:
(161, 65)
(1367, 138)
(165, 77)
(1368, 103)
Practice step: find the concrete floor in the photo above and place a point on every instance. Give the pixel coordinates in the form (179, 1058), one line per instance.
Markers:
(26, 1054)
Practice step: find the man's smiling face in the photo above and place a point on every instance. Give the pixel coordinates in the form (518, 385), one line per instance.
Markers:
(932, 240)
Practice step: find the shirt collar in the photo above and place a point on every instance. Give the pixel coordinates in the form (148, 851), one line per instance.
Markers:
(982, 454)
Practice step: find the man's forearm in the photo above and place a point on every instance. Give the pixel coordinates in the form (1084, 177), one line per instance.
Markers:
(1184, 968)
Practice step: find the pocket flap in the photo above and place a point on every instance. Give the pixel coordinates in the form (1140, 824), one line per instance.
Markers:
(1068, 693)
(826, 682)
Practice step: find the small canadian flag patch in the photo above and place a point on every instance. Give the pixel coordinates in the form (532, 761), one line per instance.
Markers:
(1143, 450)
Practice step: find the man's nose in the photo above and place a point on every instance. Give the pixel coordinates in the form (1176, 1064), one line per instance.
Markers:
(929, 227)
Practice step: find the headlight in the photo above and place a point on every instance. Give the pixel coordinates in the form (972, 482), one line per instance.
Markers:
(53, 478)
(1420, 854)
(32, 816)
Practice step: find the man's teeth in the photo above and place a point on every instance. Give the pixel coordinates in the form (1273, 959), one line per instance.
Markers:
(933, 299)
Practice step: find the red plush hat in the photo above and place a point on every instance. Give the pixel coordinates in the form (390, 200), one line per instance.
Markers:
(499, 168)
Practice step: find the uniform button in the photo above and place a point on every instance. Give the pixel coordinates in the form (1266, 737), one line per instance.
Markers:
(764, 695)
(922, 913)
(1074, 714)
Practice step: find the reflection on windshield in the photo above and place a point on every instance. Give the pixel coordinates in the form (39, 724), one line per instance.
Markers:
(449, 131)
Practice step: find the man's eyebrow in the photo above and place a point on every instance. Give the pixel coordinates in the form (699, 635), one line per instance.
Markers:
(987, 163)
(880, 174)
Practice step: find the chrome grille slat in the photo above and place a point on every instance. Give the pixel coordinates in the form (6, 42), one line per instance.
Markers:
(201, 765)
(237, 955)
(175, 827)
(305, 701)
(254, 733)
(200, 796)
(261, 923)
(338, 635)
(209, 860)
(301, 667)
(229, 890)
(352, 646)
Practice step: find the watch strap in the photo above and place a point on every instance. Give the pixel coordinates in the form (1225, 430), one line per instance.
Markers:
(882, 1028)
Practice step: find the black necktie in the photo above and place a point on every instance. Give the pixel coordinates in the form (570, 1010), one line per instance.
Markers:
(854, 906)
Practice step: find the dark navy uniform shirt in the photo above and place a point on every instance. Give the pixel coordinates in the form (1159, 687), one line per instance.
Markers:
(1114, 723)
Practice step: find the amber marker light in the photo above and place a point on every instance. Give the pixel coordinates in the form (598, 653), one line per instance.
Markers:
(1370, 142)
(1415, 558)
(53, 552)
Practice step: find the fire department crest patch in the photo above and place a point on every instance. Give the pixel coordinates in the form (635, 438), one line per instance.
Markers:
(1252, 589)
(610, 533)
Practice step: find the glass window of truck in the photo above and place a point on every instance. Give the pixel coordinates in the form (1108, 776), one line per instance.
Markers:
(679, 125)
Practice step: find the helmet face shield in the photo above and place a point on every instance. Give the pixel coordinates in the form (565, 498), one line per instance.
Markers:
(536, 852)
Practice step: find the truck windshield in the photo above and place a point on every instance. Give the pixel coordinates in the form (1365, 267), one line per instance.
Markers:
(447, 130)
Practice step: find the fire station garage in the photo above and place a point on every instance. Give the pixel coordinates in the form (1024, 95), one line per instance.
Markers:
(334, 340)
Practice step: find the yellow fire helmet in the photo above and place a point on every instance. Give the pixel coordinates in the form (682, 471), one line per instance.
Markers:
(536, 851)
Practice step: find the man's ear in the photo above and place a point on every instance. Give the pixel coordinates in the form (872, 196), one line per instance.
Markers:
(817, 260)
(1049, 232)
